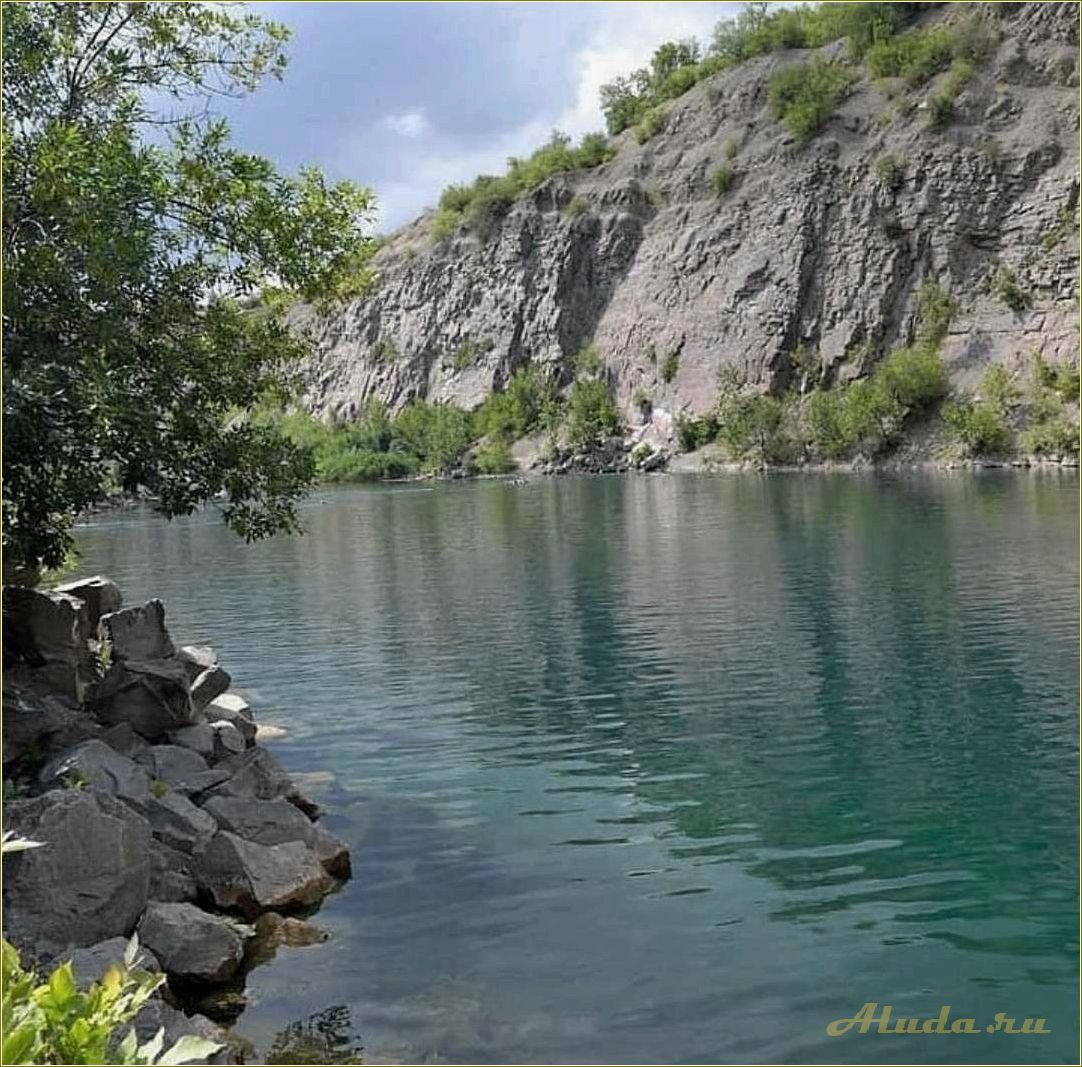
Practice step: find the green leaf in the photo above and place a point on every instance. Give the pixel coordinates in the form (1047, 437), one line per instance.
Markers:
(189, 1049)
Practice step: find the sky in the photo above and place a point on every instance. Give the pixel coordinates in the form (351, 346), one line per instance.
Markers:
(409, 97)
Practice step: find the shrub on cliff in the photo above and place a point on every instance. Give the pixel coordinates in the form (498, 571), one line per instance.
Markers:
(804, 95)
(123, 350)
(977, 426)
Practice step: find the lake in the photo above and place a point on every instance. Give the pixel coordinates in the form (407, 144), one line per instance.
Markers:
(664, 769)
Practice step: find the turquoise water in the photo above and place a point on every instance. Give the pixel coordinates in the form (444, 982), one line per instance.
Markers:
(666, 769)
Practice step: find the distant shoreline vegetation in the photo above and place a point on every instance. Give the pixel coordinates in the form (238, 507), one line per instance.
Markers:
(802, 95)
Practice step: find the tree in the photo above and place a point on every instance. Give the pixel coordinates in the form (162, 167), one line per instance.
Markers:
(130, 238)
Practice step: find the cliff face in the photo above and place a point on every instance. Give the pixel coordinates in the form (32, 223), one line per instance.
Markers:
(821, 246)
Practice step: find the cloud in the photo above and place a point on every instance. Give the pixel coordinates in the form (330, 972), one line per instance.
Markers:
(411, 123)
(621, 38)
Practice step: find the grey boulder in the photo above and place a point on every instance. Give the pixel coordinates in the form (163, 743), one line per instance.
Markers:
(177, 822)
(172, 764)
(137, 633)
(276, 822)
(199, 738)
(228, 740)
(123, 739)
(95, 765)
(235, 709)
(206, 678)
(170, 874)
(253, 878)
(151, 696)
(191, 943)
(89, 880)
(100, 595)
(32, 725)
(254, 773)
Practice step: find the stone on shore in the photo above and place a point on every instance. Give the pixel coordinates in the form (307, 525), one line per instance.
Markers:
(231, 708)
(151, 696)
(276, 822)
(123, 739)
(34, 725)
(89, 880)
(191, 943)
(172, 764)
(177, 822)
(206, 678)
(93, 764)
(228, 740)
(170, 874)
(254, 773)
(199, 738)
(138, 633)
(254, 878)
(48, 634)
(100, 595)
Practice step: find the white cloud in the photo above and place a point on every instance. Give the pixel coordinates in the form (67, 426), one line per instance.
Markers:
(412, 123)
(623, 38)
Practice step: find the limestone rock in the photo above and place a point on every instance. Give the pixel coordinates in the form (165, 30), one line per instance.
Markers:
(152, 697)
(100, 595)
(231, 708)
(138, 633)
(34, 725)
(172, 764)
(89, 881)
(94, 765)
(206, 677)
(177, 822)
(170, 874)
(253, 878)
(199, 738)
(274, 822)
(48, 634)
(191, 943)
(123, 739)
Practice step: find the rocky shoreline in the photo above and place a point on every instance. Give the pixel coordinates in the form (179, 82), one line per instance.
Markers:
(139, 770)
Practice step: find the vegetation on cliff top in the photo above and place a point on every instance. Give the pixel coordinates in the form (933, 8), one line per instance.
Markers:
(120, 355)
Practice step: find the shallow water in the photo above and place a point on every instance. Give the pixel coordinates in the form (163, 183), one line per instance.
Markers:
(665, 769)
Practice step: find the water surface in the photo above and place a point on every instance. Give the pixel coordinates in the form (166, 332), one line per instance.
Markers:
(665, 769)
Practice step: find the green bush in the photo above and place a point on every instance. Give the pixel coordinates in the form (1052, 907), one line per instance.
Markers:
(731, 147)
(670, 366)
(464, 355)
(588, 360)
(56, 1022)
(935, 310)
(941, 102)
(528, 402)
(998, 388)
(804, 95)
(1061, 378)
(692, 434)
(721, 181)
(978, 427)
(1006, 288)
(920, 54)
(890, 171)
(913, 377)
(827, 425)
(435, 435)
(651, 123)
(383, 351)
(591, 412)
(494, 457)
(576, 207)
(481, 205)
(752, 426)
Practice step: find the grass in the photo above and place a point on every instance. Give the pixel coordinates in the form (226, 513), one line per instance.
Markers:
(721, 181)
(383, 351)
(670, 367)
(890, 171)
(651, 124)
(576, 206)
(804, 95)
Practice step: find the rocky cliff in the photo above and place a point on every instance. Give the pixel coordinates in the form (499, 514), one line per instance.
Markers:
(813, 248)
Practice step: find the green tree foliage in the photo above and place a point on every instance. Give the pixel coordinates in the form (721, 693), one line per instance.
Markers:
(977, 426)
(692, 434)
(528, 402)
(53, 1021)
(919, 54)
(591, 412)
(123, 345)
(752, 426)
(804, 95)
(493, 457)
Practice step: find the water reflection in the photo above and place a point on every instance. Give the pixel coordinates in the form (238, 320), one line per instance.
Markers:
(324, 1037)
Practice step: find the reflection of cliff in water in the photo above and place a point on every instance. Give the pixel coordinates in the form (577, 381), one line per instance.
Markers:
(770, 667)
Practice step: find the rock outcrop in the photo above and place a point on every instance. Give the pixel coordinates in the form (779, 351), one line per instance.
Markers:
(156, 810)
(814, 249)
